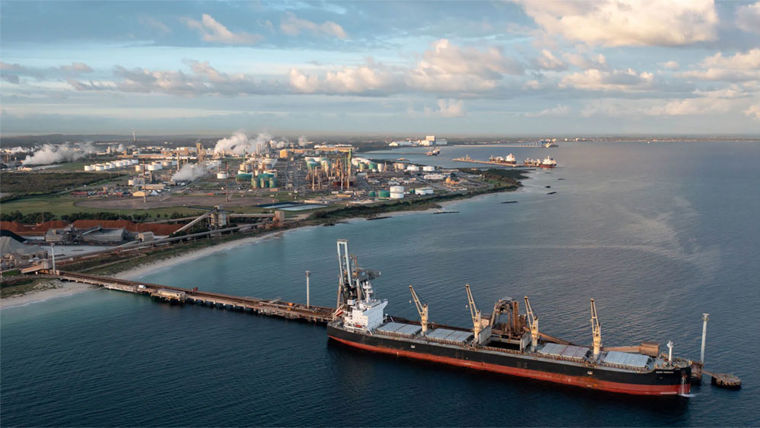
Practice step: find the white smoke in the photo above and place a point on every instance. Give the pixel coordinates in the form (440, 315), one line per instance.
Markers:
(303, 141)
(190, 172)
(66, 152)
(17, 149)
(239, 144)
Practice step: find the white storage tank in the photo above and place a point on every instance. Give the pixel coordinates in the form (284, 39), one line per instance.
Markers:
(428, 168)
(380, 167)
(397, 195)
(221, 175)
(412, 168)
(397, 189)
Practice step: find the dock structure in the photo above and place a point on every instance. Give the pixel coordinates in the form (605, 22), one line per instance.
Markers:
(273, 308)
(724, 380)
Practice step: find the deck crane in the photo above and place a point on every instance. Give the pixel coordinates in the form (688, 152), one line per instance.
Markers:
(596, 330)
(422, 309)
(479, 325)
(533, 324)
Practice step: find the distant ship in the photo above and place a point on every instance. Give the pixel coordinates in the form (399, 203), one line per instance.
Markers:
(548, 162)
(508, 160)
(433, 152)
(505, 342)
(550, 144)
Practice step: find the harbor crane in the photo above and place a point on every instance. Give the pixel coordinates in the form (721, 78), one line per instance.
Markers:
(353, 281)
(533, 324)
(479, 325)
(596, 330)
(422, 309)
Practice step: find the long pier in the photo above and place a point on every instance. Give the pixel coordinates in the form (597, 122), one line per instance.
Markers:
(273, 308)
(496, 163)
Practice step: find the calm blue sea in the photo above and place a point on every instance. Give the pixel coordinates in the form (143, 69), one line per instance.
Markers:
(656, 233)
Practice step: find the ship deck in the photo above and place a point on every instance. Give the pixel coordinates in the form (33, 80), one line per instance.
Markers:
(449, 336)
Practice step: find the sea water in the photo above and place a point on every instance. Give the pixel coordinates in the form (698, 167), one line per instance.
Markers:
(656, 233)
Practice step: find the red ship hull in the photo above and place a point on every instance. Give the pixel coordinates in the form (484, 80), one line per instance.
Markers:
(579, 381)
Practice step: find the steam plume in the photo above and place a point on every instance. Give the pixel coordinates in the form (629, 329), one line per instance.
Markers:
(239, 143)
(190, 172)
(67, 152)
(303, 141)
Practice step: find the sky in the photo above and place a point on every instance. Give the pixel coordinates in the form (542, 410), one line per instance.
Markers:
(520, 67)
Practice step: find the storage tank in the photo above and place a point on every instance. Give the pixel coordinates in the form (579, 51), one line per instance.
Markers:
(412, 168)
(384, 194)
(380, 167)
(372, 194)
(397, 195)
(397, 189)
(428, 168)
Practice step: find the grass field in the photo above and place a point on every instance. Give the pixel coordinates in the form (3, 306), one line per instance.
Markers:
(64, 204)
(45, 183)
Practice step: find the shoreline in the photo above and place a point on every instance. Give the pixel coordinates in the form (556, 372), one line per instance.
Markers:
(158, 265)
(38, 295)
(146, 267)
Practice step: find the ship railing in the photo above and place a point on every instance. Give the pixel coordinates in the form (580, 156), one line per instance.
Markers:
(623, 366)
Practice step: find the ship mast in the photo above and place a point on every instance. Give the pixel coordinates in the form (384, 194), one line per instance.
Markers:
(596, 330)
(422, 309)
(533, 324)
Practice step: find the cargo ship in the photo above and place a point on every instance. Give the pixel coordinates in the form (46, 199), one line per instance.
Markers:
(504, 342)
(433, 152)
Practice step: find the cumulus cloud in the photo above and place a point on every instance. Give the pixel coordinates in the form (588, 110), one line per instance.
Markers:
(615, 80)
(212, 30)
(748, 18)
(447, 108)
(444, 67)
(738, 67)
(12, 73)
(450, 68)
(626, 22)
(729, 100)
(671, 65)
(558, 110)
(548, 61)
(364, 79)
(56, 153)
(753, 111)
(293, 26)
(202, 79)
(597, 61)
